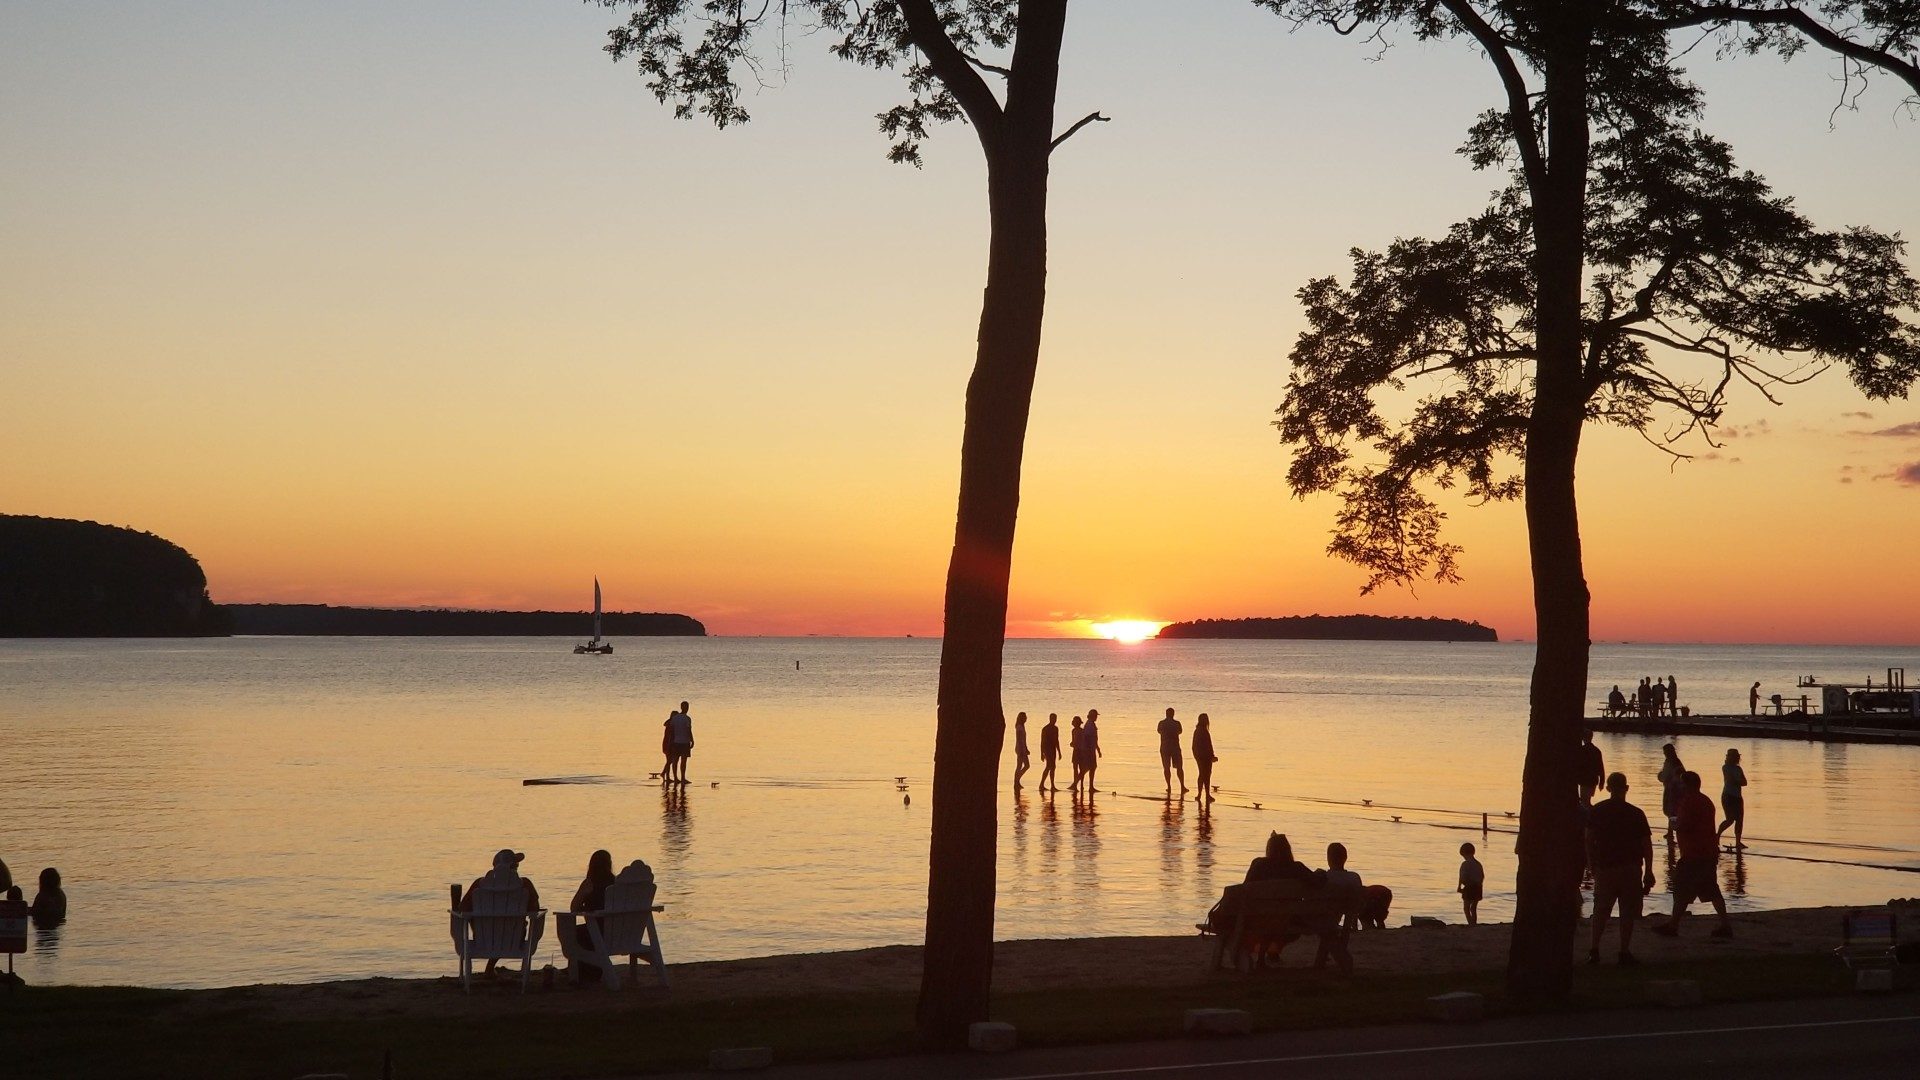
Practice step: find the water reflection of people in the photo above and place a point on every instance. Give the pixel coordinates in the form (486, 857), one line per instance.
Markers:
(676, 823)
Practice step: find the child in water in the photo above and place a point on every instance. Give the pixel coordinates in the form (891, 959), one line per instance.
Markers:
(1472, 877)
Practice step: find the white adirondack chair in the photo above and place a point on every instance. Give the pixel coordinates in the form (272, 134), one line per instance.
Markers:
(624, 927)
(498, 928)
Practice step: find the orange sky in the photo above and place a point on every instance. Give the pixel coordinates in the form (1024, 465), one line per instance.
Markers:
(468, 324)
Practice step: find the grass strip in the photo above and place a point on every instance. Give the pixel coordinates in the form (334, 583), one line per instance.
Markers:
(85, 1032)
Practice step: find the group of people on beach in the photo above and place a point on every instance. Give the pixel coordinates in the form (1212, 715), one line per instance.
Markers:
(1651, 698)
(1083, 745)
(1619, 843)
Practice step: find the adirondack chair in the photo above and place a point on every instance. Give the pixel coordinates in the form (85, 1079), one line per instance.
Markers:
(499, 927)
(624, 927)
(1869, 938)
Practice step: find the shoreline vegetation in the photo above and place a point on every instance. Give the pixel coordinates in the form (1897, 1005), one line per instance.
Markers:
(1334, 628)
(807, 1008)
(325, 620)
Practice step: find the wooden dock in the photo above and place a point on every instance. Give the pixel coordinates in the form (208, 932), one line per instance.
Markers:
(1813, 728)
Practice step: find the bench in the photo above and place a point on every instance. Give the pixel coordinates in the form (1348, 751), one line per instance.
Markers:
(1254, 921)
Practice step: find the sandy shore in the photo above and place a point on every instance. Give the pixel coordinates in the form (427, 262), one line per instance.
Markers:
(1032, 965)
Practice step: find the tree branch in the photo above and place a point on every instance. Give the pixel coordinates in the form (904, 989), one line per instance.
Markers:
(1519, 109)
(952, 67)
(1905, 70)
(1077, 125)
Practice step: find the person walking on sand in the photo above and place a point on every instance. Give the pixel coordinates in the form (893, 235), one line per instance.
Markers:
(1696, 875)
(1171, 760)
(1050, 752)
(1203, 758)
(1473, 877)
(1019, 749)
(1090, 738)
(1671, 787)
(1753, 700)
(679, 744)
(1733, 797)
(1077, 748)
(1619, 849)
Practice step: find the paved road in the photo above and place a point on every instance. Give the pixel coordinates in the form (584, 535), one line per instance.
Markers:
(1838, 1037)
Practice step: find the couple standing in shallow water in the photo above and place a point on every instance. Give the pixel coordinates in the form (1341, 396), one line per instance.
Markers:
(1083, 742)
(1172, 763)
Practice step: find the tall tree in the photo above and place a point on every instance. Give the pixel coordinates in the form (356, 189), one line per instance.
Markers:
(1626, 270)
(948, 49)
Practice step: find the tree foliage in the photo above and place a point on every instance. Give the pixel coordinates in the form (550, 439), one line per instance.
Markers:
(1416, 373)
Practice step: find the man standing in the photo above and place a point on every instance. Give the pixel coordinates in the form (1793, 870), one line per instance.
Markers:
(679, 745)
(1696, 876)
(1592, 767)
(1170, 758)
(1619, 848)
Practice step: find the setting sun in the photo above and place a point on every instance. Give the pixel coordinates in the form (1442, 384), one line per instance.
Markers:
(1131, 631)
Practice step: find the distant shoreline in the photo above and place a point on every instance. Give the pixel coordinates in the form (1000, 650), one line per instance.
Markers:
(1334, 628)
(325, 620)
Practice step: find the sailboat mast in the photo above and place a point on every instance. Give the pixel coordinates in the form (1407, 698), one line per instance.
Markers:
(596, 608)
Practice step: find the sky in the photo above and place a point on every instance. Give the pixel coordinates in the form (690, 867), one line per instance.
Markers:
(433, 304)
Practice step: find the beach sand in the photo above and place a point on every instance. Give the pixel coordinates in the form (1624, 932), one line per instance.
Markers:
(1019, 966)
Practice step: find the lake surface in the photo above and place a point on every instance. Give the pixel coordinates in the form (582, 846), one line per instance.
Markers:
(288, 809)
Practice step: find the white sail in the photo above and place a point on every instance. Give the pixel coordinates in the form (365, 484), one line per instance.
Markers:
(596, 608)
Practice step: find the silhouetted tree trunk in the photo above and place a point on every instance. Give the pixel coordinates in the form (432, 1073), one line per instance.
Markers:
(958, 969)
(1547, 886)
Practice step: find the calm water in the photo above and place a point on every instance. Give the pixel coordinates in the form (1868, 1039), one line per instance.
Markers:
(293, 809)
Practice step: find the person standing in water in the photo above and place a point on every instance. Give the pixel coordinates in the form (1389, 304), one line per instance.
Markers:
(1733, 797)
(1171, 760)
(1203, 758)
(1090, 738)
(1019, 749)
(1077, 749)
(679, 745)
(1593, 768)
(1050, 752)
(1670, 776)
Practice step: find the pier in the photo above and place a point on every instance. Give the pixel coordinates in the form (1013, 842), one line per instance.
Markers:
(1811, 728)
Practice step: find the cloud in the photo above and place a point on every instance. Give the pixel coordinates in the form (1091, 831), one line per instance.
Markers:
(1745, 431)
(1907, 474)
(1909, 430)
(1857, 415)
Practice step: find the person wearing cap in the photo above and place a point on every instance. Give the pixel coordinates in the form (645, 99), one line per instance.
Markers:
(504, 875)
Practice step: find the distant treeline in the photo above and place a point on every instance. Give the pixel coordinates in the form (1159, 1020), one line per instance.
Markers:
(323, 620)
(66, 578)
(1334, 628)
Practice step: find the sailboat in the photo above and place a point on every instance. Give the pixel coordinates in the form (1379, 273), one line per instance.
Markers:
(596, 646)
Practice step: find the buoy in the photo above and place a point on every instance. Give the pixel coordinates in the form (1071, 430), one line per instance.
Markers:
(1256, 806)
(1396, 817)
(906, 800)
(716, 783)
(1366, 802)
(899, 779)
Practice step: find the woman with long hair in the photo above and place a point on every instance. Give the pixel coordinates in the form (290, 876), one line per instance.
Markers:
(1671, 770)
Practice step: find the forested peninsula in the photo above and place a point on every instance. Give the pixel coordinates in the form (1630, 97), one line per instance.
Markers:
(65, 578)
(1334, 628)
(323, 620)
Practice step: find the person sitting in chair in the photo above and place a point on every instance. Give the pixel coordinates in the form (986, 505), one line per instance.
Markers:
(504, 875)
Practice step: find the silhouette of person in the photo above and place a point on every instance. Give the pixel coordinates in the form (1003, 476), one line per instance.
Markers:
(1696, 875)
(1670, 777)
(504, 875)
(1753, 700)
(1620, 851)
(1090, 738)
(50, 903)
(678, 743)
(1616, 701)
(1077, 747)
(1050, 752)
(1592, 765)
(1278, 864)
(591, 896)
(1733, 797)
(1203, 758)
(1673, 696)
(1473, 879)
(1019, 749)
(1170, 759)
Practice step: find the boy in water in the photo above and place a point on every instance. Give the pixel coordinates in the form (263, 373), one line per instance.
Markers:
(1472, 877)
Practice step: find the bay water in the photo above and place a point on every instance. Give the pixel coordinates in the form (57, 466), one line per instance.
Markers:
(293, 809)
